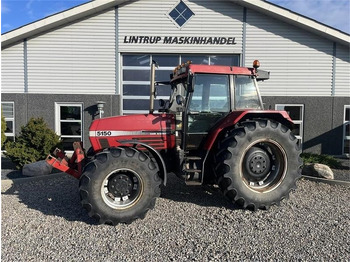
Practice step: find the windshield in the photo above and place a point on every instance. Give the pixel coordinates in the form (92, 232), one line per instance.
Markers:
(246, 94)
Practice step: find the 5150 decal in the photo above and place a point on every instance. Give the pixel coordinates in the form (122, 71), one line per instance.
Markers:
(103, 133)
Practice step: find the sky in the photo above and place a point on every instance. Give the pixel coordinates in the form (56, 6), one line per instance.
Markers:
(16, 13)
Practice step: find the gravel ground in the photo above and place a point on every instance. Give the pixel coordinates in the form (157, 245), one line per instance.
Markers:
(43, 221)
(343, 173)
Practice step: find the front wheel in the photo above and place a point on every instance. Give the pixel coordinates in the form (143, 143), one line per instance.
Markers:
(119, 185)
(258, 163)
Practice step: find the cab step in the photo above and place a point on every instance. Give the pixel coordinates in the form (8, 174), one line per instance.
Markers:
(193, 173)
(193, 170)
(193, 158)
(193, 183)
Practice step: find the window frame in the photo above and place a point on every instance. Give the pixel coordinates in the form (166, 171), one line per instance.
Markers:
(58, 120)
(234, 101)
(206, 96)
(13, 134)
(298, 122)
(345, 123)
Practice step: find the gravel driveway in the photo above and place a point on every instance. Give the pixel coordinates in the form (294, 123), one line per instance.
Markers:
(43, 221)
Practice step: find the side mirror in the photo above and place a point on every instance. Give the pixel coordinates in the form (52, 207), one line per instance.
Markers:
(180, 100)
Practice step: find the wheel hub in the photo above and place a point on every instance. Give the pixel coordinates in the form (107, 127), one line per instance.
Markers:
(121, 188)
(120, 185)
(257, 163)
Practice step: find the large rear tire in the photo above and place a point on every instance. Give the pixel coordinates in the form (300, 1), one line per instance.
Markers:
(258, 163)
(119, 186)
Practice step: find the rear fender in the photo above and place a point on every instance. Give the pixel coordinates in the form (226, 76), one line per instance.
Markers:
(234, 118)
(155, 154)
(238, 116)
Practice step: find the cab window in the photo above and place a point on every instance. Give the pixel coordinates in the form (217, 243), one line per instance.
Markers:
(246, 94)
(211, 93)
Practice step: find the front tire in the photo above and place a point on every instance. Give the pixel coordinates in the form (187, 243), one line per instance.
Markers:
(119, 186)
(258, 163)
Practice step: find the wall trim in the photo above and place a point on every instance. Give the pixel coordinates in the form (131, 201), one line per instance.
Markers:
(334, 67)
(244, 32)
(116, 54)
(25, 65)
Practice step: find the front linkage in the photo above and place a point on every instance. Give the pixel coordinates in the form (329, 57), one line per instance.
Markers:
(72, 166)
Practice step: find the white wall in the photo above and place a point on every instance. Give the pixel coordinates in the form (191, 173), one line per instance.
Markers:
(342, 72)
(211, 19)
(77, 58)
(81, 57)
(12, 69)
(300, 62)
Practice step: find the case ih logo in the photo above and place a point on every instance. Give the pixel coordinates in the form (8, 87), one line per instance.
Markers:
(180, 40)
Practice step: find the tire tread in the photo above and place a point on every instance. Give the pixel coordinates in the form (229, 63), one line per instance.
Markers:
(228, 146)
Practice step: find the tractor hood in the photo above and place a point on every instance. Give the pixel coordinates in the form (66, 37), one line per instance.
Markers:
(156, 130)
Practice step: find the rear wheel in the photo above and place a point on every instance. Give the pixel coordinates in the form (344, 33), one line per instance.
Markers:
(258, 163)
(119, 185)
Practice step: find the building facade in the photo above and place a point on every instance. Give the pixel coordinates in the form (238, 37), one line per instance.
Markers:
(61, 66)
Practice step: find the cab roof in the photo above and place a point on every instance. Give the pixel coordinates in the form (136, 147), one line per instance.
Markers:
(182, 71)
(219, 69)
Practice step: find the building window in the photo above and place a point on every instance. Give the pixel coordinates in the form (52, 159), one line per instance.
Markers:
(69, 124)
(8, 110)
(181, 14)
(346, 137)
(136, 76)
(296, 113)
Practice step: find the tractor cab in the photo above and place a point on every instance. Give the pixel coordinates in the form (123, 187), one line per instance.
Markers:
(204, 95)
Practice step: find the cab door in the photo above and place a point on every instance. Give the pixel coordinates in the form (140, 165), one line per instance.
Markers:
(207, 104)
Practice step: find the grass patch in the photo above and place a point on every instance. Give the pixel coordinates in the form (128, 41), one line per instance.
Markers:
(321, 159)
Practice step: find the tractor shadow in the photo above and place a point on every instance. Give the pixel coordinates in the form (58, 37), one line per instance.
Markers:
(207, 195)
(59, 196)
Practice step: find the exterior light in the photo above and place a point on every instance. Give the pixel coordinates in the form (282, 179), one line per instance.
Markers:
(100, 105)
(256, 64)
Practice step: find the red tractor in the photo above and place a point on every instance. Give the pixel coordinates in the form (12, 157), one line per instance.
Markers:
(212, 130)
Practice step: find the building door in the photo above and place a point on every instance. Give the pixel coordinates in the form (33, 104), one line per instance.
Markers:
(209, 102)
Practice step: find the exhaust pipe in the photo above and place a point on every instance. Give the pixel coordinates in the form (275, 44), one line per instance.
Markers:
(152, 87)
